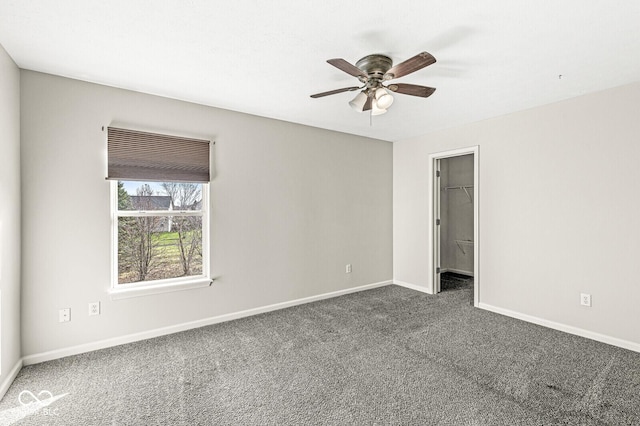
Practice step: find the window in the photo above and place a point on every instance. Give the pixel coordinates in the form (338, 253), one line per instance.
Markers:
(159, 210)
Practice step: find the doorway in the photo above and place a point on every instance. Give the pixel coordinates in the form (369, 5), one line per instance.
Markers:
(454, 221)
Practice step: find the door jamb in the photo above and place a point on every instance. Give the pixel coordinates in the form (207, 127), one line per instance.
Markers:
(476, 209)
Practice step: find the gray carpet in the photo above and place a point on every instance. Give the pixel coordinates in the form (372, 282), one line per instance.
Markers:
(453, 281)
(384, 356)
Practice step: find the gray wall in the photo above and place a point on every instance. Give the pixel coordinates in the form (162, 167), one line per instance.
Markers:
(558, 211)
(291, 206)
(9, 213)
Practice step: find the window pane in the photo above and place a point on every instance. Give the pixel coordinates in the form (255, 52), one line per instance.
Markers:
(134, 195)
(159, 247)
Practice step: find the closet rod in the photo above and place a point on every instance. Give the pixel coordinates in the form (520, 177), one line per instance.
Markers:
(457, 187)
(464, 188)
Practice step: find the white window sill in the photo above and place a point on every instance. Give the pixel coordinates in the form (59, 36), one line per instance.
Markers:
(126, 291)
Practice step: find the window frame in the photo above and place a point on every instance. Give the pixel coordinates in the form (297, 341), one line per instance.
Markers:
(142, 288)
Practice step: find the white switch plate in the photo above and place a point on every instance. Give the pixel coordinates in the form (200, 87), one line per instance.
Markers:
(348, 269)
(64, 315)
(585, 299)
(94, 308)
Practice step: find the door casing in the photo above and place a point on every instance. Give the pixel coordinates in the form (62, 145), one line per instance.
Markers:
(433, 283)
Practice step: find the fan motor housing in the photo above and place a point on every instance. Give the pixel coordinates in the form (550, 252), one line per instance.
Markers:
(375, 66)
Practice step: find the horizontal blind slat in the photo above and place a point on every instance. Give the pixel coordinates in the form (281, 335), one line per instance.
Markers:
(135, 155)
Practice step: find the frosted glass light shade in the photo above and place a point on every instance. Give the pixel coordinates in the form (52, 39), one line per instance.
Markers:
(358, 102)
(376, 110)
(383, 98)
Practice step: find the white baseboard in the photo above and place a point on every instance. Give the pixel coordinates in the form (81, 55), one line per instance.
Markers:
(411, 286)
(632, 346)
(129, 338)
(4, 387)
(458, 271)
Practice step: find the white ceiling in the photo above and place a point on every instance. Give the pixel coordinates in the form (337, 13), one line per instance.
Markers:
(267, 57)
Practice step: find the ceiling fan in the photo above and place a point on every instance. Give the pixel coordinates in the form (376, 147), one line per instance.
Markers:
(372, 71)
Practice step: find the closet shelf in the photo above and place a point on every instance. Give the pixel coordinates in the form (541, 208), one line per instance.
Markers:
(462, 243)
(463, 187)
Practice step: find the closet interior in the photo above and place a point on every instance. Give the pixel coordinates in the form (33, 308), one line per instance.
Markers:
(456, 222)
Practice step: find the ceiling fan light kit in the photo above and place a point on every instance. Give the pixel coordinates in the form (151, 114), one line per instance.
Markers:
(376, 110)
(358, 102)
(383, 98)
(372, 71)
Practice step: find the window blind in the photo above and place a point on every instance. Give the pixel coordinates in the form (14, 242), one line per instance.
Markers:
(135, 155)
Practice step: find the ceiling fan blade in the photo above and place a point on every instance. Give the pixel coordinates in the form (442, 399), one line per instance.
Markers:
(333, 92)
(412, 89)
(416, 63)
(345, 66)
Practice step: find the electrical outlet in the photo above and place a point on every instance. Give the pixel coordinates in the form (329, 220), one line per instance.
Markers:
(64, 315)
(585, 299)
(94, 308)
(348, 269)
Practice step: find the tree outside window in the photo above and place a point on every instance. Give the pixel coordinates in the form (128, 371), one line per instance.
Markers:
(159, 230)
